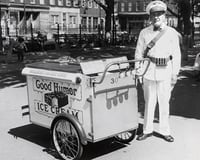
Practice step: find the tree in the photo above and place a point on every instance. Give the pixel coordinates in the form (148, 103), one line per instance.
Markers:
(186, 14)
(108, 7)
(187, 10)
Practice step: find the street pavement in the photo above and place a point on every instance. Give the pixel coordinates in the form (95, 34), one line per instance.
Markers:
(21, 140)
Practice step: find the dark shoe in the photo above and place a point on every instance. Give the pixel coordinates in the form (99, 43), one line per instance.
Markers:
(156, 120)
(144, 136)
(168, 138)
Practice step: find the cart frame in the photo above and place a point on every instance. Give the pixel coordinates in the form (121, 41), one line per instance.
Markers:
(69, 134)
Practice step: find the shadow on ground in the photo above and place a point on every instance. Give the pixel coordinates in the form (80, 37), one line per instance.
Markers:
(10, 70)
(185, 99)
(41, 136)
(12, 78)
(108, 52)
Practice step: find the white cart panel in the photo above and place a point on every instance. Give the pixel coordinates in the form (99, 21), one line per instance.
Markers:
(115, 106)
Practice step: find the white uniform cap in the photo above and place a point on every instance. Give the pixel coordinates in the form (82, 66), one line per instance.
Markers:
(156, 6)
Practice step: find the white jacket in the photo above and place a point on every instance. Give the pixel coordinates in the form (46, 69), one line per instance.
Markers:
(167, 45)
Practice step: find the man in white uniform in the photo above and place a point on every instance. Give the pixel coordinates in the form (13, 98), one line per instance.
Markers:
(165, 61)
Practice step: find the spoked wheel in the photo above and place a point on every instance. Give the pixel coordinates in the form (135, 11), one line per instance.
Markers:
(66, 140)
(126, 137)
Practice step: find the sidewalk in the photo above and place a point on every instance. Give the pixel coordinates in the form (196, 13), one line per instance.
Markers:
(24, 141)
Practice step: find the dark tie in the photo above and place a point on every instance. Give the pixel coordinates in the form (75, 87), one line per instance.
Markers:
(156, 28)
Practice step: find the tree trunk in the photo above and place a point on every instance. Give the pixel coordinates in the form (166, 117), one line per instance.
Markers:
(108, 21)
(185, 10)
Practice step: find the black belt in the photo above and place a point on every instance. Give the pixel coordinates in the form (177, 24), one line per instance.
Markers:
(160, 61)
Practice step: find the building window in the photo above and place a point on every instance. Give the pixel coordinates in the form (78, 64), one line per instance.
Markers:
(89, 23)
(32, 1)
(21, 1)
(64, 20)
(90, 4)
(129, 6)
(60, 2)
(145, 5)
(76, 3)
(95, 5)
(116, 7)
(137, 5)
(95, 23)
(41, 1)
(72, 20)
(52, 2)
(68, 3)
(140, 6)
(54, 19)
(84, 3)
(122, 7)
(84, 23)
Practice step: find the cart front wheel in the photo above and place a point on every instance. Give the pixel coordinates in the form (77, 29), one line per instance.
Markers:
(126, 137)
(67, 140)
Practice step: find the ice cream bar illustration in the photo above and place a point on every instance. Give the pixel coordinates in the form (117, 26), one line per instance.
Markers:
(56, 99)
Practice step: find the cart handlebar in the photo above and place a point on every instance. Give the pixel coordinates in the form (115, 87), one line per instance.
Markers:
(138, 74)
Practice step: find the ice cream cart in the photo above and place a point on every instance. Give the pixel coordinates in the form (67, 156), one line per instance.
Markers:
(83, 102)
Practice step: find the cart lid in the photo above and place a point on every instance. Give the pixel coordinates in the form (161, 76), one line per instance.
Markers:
(98, 66)
(56, 66)
(62, 68)
(53, 69)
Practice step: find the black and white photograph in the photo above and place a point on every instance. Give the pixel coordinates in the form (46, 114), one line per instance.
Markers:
(99, 79)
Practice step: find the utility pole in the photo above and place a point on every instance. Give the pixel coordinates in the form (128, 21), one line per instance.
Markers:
(58, 33)
(25, 27)
(113, 22)
(1, 44)
(193, 21)
(99, 27)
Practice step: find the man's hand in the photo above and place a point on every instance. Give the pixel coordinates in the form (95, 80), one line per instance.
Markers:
(139, 71)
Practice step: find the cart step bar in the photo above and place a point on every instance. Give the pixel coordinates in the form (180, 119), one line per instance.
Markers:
(24, 110)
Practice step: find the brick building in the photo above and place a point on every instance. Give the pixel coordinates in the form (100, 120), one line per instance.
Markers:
(19, 17)
(131, 15)
(13, 13)
(91, 16)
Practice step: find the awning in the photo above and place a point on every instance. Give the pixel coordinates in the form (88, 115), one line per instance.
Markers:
(28, 7)
(131, 13)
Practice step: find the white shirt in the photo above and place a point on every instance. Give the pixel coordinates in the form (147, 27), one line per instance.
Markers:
(167, 45)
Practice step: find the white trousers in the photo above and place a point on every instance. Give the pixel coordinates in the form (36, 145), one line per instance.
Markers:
(157, 91)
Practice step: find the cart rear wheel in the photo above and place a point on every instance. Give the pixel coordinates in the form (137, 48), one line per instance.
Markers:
(67, 140)
(126, 137)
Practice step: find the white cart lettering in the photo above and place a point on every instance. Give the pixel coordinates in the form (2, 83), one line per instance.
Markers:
(114, 80)
(46, 110)
(66, 90)
(56, 110)
(42, 107)
(43, 86)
